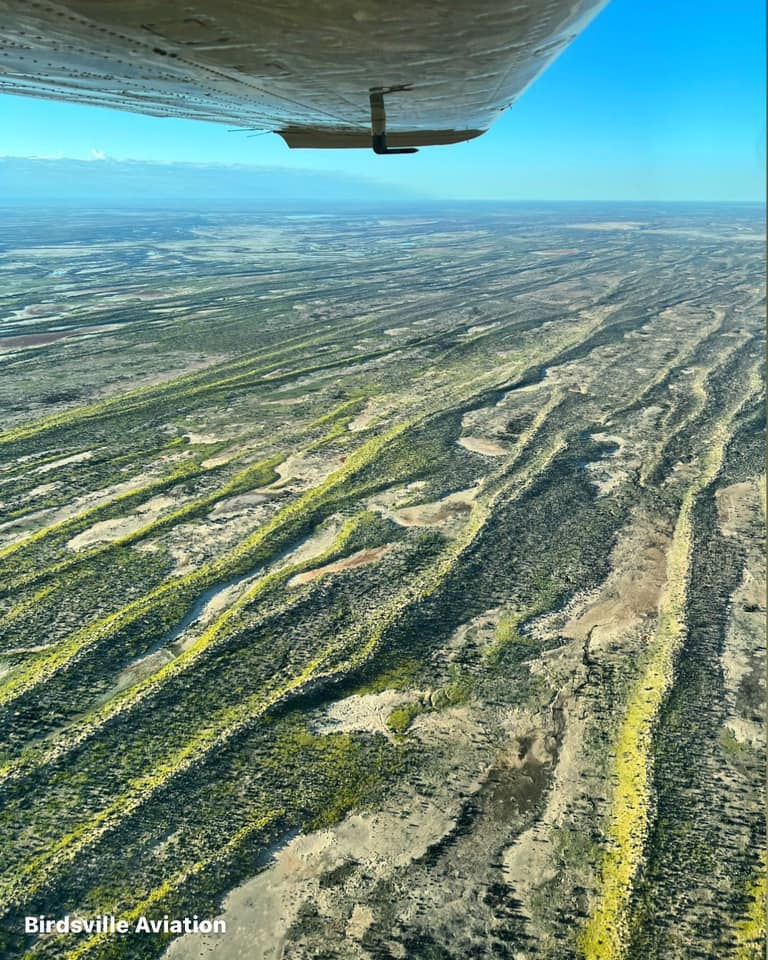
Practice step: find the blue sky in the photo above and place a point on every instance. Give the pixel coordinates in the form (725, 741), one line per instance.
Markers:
(656, 100)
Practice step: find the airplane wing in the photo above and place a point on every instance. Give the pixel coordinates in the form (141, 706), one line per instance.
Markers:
(321, 73)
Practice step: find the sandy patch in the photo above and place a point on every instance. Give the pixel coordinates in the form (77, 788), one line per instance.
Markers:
(745, 237)
(39, 492)
(609, 471)
(480, 445)
(366, 416)
(23, 651)
(681, 473)
(608, 225)
(619, 442)
(446, 726)
(606, 484)
(299, 468)
(33, 340)
(632, 591)
(107, 530)
(314, 545)
(138, 671)
(218, 461)
(734, 506)
(747, 731)
(203, 438)
(604, 626)
(42, 339)
(361, 714)
(456, 506)
(359, 559)
(528, 862)
(155, 505)
(38, 310)
(260, 912)
(65, 461)
(359, 922)
(481, 328)
(13, 531)
(743, 654)
(478, 633)
(388, 499)
(233, 506)
(182, 366)
(219, 603)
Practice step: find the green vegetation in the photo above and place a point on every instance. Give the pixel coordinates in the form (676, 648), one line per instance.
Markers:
(402, 717)
(751, 931)
(606, 935)
(456, 539)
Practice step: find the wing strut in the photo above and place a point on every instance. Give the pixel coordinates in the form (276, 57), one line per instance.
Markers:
(379, 123)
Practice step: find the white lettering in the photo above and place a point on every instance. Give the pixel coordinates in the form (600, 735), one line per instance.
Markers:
(110, 924)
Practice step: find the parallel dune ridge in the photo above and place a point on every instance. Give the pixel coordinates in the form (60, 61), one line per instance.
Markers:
(441, 529)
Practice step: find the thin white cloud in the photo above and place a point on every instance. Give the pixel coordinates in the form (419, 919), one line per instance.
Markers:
(98, 154)
(36, 156)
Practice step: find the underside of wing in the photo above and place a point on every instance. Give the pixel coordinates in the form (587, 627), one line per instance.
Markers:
(322, 73)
